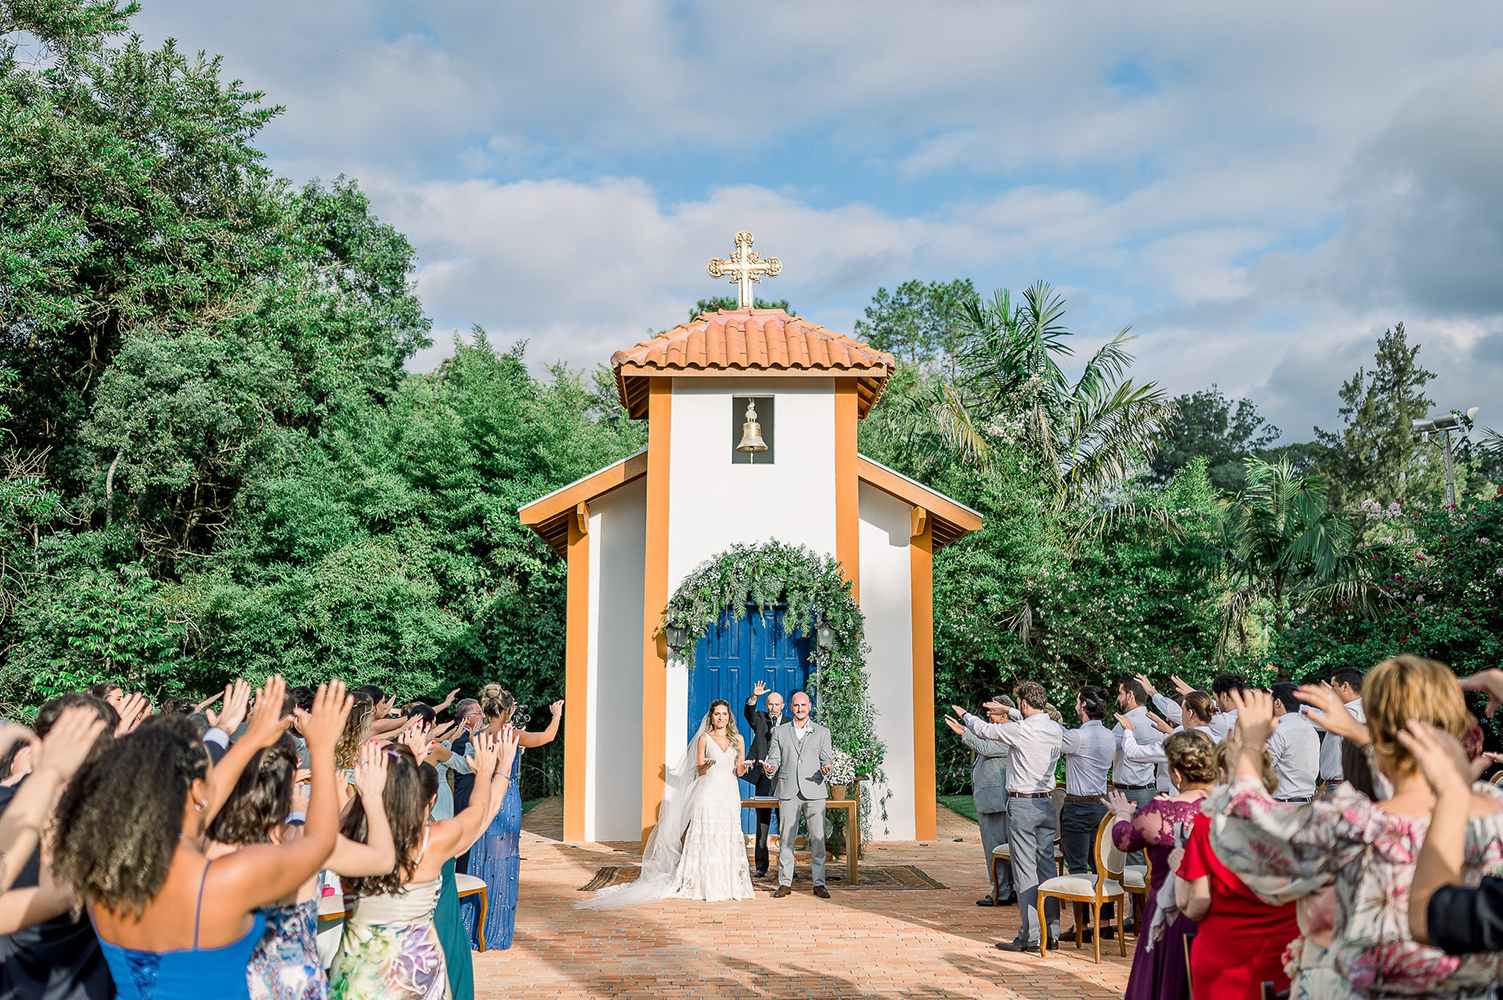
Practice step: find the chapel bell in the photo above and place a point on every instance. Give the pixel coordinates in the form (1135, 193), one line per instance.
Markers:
(751, 431)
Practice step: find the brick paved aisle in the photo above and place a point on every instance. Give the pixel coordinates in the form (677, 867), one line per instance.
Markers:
(930, 944)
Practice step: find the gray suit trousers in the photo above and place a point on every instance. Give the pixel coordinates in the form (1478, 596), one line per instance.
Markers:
(813, 811)
(1031, 825)
(994, 832)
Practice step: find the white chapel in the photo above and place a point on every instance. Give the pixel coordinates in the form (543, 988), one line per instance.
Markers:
(633, 531)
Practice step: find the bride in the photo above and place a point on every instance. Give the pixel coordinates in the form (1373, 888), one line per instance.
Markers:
(702, 795)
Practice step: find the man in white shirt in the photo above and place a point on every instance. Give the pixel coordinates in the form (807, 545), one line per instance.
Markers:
(1089, 752)
(1224, 721)
(1135, 780)
(1294, 747)
(1035, 743)
(1347, 683)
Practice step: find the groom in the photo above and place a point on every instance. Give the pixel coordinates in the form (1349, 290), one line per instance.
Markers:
(800, 789)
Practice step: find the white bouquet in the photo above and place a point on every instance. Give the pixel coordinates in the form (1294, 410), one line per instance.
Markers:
(842, 769)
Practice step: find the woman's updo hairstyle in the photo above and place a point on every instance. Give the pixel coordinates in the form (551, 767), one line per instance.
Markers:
(406, 804)
(262, 797)
(1201, 705)
(117, 825)
(497, 703)
(1093, 700)
(1191, 754)
(1410, 687)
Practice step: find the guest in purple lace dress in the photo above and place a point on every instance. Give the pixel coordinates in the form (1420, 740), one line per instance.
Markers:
(1158, 966)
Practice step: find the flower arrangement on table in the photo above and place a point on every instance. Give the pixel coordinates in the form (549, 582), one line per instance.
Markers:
(842, 769)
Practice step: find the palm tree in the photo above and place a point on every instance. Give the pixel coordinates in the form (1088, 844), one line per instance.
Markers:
(1093, 431)
(1281, 540)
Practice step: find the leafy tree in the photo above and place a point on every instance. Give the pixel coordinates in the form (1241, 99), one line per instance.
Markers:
(1206, 424)
(919, 322)
(1091, 433)
(729, 302)
(1374, 455)
(1283, 540)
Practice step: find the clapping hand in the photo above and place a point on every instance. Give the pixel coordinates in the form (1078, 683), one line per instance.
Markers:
(1254, 715)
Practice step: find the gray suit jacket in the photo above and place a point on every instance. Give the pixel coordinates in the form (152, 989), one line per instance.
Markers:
(796, 762)
(988, 773)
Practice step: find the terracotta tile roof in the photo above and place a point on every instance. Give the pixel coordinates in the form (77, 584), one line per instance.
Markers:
(746, 341)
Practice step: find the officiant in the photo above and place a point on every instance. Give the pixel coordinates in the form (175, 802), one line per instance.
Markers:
(762, 725)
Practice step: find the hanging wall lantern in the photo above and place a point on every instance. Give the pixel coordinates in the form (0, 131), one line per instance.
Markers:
(677, 637)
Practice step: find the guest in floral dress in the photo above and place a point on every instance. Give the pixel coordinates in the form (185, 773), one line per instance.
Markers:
(1158, 965)
(391, 948)
(1368, 847)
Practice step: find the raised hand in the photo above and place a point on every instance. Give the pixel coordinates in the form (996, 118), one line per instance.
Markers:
(1179, 685)
(448, 700)
(1146, 683)
(69, 740)
(759, 689)
(322, 725)
(1439, 755)
(416, 738)
(483, 757)
(1120, 806)
(956, 726)
(386, 708)
(1254, 715)
(557, 708)
(236, 701)
(301, 792)
(1327, 709)
(996, 706)
(267, 722)
(1160, 724)
(1124, 722)
(370, 771)
(1491, 683)
(134, 708)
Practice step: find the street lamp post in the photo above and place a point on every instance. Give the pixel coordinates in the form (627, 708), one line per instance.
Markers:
(1444, 425)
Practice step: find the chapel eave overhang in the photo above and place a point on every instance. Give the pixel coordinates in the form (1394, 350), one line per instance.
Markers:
(745, 342)
(549, 515)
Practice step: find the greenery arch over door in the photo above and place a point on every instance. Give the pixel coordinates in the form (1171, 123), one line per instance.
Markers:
(812, 591)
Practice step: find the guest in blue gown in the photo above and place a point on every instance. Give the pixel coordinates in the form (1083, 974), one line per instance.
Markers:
(496, 856)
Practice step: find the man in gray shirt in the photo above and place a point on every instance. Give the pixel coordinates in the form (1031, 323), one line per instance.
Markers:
(989, 793)
(1294, 747)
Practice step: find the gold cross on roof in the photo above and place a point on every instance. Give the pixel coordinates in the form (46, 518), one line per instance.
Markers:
(744, 267)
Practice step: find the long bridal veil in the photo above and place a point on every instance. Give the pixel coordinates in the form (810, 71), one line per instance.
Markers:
(666, 842)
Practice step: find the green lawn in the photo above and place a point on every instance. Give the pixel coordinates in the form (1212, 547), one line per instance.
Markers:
(960, 803)
(529, 803)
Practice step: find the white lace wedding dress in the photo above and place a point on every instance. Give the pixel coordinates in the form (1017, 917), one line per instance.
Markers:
(713, 865)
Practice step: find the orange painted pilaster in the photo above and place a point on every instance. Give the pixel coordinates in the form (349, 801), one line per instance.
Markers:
(921, 561)
(655, 598)
(847, 485)
(577, 677)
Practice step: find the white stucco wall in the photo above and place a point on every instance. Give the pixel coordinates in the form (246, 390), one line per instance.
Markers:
(613, 740)
(713, 503)
(886, 582)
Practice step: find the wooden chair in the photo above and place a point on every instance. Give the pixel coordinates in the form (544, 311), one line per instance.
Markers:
(1135, 880)
(1093, 891)
(1003, 852)
(469, 886)
(1269, 993)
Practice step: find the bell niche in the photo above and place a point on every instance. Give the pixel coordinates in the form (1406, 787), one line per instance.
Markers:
(752, 430)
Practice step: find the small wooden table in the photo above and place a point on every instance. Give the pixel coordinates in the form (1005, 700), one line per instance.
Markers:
(852, 809)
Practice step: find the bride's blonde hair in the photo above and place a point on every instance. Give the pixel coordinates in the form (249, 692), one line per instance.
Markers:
(730, 725)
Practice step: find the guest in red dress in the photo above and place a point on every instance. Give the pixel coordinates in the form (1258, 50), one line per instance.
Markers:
(1241, 939)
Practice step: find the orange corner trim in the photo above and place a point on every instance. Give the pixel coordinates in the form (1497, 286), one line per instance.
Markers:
(577, 676)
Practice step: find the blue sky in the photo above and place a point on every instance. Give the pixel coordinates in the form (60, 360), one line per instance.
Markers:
(1257, 190)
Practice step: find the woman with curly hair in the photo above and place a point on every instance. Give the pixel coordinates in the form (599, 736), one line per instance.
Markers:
(391, 948)
(497, 856)
(1158, 966)
(264, 809)
(172, 922)
(356, 729)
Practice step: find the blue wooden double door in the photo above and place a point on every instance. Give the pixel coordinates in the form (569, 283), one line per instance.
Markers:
(728, 662)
